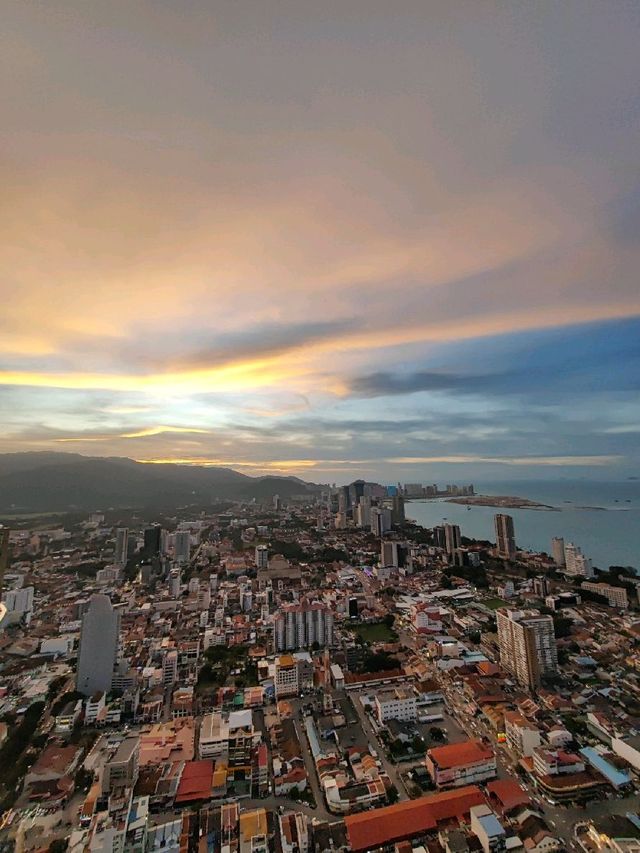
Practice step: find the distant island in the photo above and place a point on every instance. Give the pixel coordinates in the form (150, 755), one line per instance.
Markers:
(502, 501)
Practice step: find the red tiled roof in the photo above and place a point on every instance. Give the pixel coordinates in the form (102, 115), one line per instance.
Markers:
(459, 754)
(195, 782)
(508, 793)
(409, 819)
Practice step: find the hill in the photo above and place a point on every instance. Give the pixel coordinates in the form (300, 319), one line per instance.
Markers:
(57, 482)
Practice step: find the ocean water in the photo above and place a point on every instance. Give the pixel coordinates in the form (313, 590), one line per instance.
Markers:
(602, 518)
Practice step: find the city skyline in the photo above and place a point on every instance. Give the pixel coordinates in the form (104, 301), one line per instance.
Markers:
(237, 237)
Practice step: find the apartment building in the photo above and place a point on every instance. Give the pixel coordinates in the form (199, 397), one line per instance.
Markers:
(527, 645)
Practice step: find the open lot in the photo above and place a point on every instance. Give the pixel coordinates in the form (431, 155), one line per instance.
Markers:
(376, 632)
(494, 603)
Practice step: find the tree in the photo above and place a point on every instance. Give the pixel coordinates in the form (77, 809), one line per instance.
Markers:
(436, 734)
(389, 619)
(392, 795)
(59, 845)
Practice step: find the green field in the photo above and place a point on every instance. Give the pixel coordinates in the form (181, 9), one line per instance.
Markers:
(494, 603)
(376, 632)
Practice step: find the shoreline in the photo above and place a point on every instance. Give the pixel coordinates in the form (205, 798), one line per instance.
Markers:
(501, 502)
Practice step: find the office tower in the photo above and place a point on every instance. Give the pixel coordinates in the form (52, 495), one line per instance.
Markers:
(363, 512)
(276, 502)
(98, 651)
(182, 547)
(576, 563)
(557, 551)
(452, 538)
(353, 607)
(527, 645)
(541, 586)
(298, 626)
(174, 583)
(389, 554)
(439, 538)
(262, 556)
(152, 540)
(4, 554)
(356, 491)
(122, 545)
(397, 509)
(505, 537)
(380, 520)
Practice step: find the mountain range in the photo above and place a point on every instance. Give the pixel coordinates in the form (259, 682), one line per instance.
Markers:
(57, 482)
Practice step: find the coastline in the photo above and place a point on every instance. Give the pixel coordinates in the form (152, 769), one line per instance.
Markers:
(501, 502)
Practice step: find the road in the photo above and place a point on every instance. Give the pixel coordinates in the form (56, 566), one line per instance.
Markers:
(310, 767)
(561, 819)
(392, 771)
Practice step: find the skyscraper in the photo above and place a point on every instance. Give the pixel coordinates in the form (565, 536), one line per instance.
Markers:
(152, 537)
(397, 509)
(527, 645)
(182, 548)
(557, 550)
(300, 625)
(505, 537)
(122, 545)
(576, 563)
(380, 520)
(99, 642)
(261, 556)
(452, 538)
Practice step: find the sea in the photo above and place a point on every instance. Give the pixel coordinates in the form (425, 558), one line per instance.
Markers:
(603, 518)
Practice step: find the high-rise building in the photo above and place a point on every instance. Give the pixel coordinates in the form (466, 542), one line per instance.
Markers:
(261, 556)
(452, 538)
(439, 538)
(122, 545)
(557, 550)
(363, 512)
(576, 563)
(298, 626)
(182, 547)
(397, 509)
(152, 537)
(527, 645)
(505, 536)
(353, 607)
(99, 644)
(356, 491)
(380, 520)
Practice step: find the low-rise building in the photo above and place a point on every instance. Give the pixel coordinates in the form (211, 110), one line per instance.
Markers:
(460, 764)
(396, 703)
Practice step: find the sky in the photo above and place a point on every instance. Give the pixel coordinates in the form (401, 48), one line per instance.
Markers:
(355, 238)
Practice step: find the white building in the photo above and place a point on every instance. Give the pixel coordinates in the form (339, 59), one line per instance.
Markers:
(298, 626)
(286, 680)
(522, 736)
(261, 557)
(576, 563)
(396, 703)
(487, 828)
(615, 595)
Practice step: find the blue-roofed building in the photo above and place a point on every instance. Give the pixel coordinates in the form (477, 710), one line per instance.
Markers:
(604, 764)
